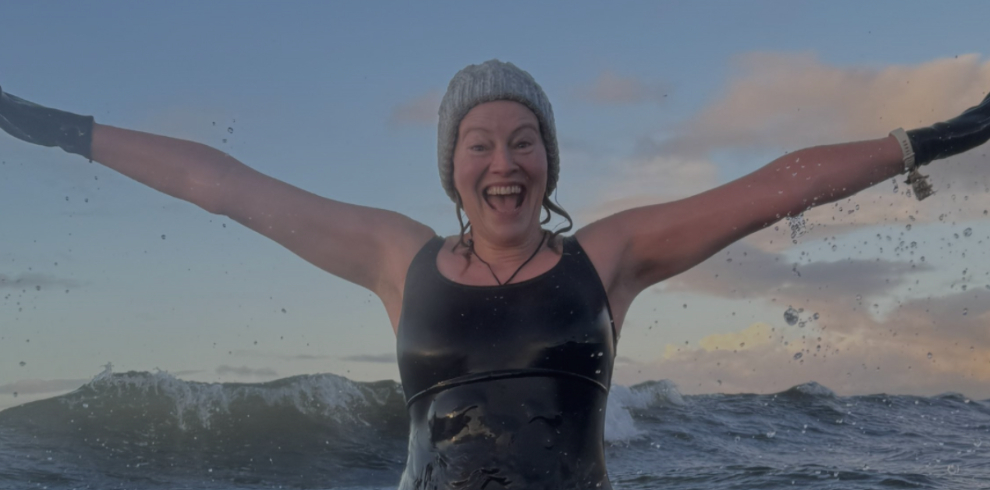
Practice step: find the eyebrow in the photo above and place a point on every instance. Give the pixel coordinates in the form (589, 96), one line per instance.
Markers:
(522, 127)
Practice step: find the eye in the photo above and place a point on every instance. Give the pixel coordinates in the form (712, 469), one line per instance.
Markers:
(524, 144)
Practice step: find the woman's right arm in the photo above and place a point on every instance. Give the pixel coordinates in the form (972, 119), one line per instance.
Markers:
(367, 246)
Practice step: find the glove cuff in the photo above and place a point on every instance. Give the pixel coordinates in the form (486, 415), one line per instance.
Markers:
(45, 126)
(76, 135)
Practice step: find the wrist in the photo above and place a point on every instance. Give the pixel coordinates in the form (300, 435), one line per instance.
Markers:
(919, 183)
(907, 151)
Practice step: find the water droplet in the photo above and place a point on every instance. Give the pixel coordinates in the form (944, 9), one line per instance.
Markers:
(230, 130)
(834, 248)
(968, 232)
(791, 316)
(163, 237)
(815, 316)
(22, 363)
(908, 227)
(930, 355)
(798, 356)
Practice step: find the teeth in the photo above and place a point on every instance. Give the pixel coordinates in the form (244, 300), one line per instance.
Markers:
(504, 190)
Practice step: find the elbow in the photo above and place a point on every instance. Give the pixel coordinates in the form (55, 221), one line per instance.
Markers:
(207, 184)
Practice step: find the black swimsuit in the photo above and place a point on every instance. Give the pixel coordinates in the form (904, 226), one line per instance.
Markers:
(506, 386)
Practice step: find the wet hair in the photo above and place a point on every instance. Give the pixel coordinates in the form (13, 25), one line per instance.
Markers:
(548, 206)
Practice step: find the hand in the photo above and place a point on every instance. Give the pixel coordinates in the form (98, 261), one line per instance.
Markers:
(46, 127)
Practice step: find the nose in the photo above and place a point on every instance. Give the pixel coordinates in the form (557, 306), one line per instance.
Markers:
(503, 161)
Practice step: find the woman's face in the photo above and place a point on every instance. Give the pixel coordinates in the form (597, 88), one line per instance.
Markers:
(500, 170)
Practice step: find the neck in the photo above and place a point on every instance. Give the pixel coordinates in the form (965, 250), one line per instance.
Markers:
(507, 254)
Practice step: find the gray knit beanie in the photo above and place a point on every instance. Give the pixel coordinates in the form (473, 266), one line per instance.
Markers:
(487, 82)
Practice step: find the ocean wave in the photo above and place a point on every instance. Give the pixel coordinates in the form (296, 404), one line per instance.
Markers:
(305, 431)
(810, 390)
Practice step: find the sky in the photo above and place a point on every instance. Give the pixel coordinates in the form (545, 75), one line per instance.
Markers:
(654, 101)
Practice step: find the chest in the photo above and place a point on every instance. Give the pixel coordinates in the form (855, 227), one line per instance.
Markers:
(557, 321)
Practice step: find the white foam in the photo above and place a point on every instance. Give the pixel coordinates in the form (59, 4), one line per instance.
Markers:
(324, 394)
(619, 423)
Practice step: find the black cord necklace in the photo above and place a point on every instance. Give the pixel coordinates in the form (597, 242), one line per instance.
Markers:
(471, 242)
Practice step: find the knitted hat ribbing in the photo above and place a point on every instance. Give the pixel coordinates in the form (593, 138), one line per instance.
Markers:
(487, 82)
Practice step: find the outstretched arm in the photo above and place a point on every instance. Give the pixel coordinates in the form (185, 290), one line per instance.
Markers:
(352, 242)
(367, 246)
(653, 243)
(670, 238)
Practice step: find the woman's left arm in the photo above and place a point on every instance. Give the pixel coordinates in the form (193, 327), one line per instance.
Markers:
(653, 243)
(666, 239)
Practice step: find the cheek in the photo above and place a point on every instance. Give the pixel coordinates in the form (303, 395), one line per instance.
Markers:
(463, 181)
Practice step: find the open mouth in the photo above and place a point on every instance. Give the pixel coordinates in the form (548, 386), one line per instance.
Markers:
(505, 198)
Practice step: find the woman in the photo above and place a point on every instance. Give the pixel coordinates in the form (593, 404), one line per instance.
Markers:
(506, 333)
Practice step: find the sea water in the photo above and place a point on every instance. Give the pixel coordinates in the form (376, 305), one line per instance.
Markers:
(151, 430)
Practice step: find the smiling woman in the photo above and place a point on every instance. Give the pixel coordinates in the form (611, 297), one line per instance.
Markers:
(506, 362)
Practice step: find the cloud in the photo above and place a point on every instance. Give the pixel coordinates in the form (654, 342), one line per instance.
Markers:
(857, 328)
(744, 271)
(388, 358)
(309, 357)
(285, 357)
(650, 179)
(34, 281)
(37, 386)
(777, 102)
(612, 89)
(755, 335)
(187, 372)
(421, 111)
(789, 101)
(245, 371)
(926, 346)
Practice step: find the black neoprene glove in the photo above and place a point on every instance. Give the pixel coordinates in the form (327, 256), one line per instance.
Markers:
(940, 140)
(47, 127)
(965, 132)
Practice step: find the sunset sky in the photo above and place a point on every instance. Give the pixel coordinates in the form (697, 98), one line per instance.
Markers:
(654, 101)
